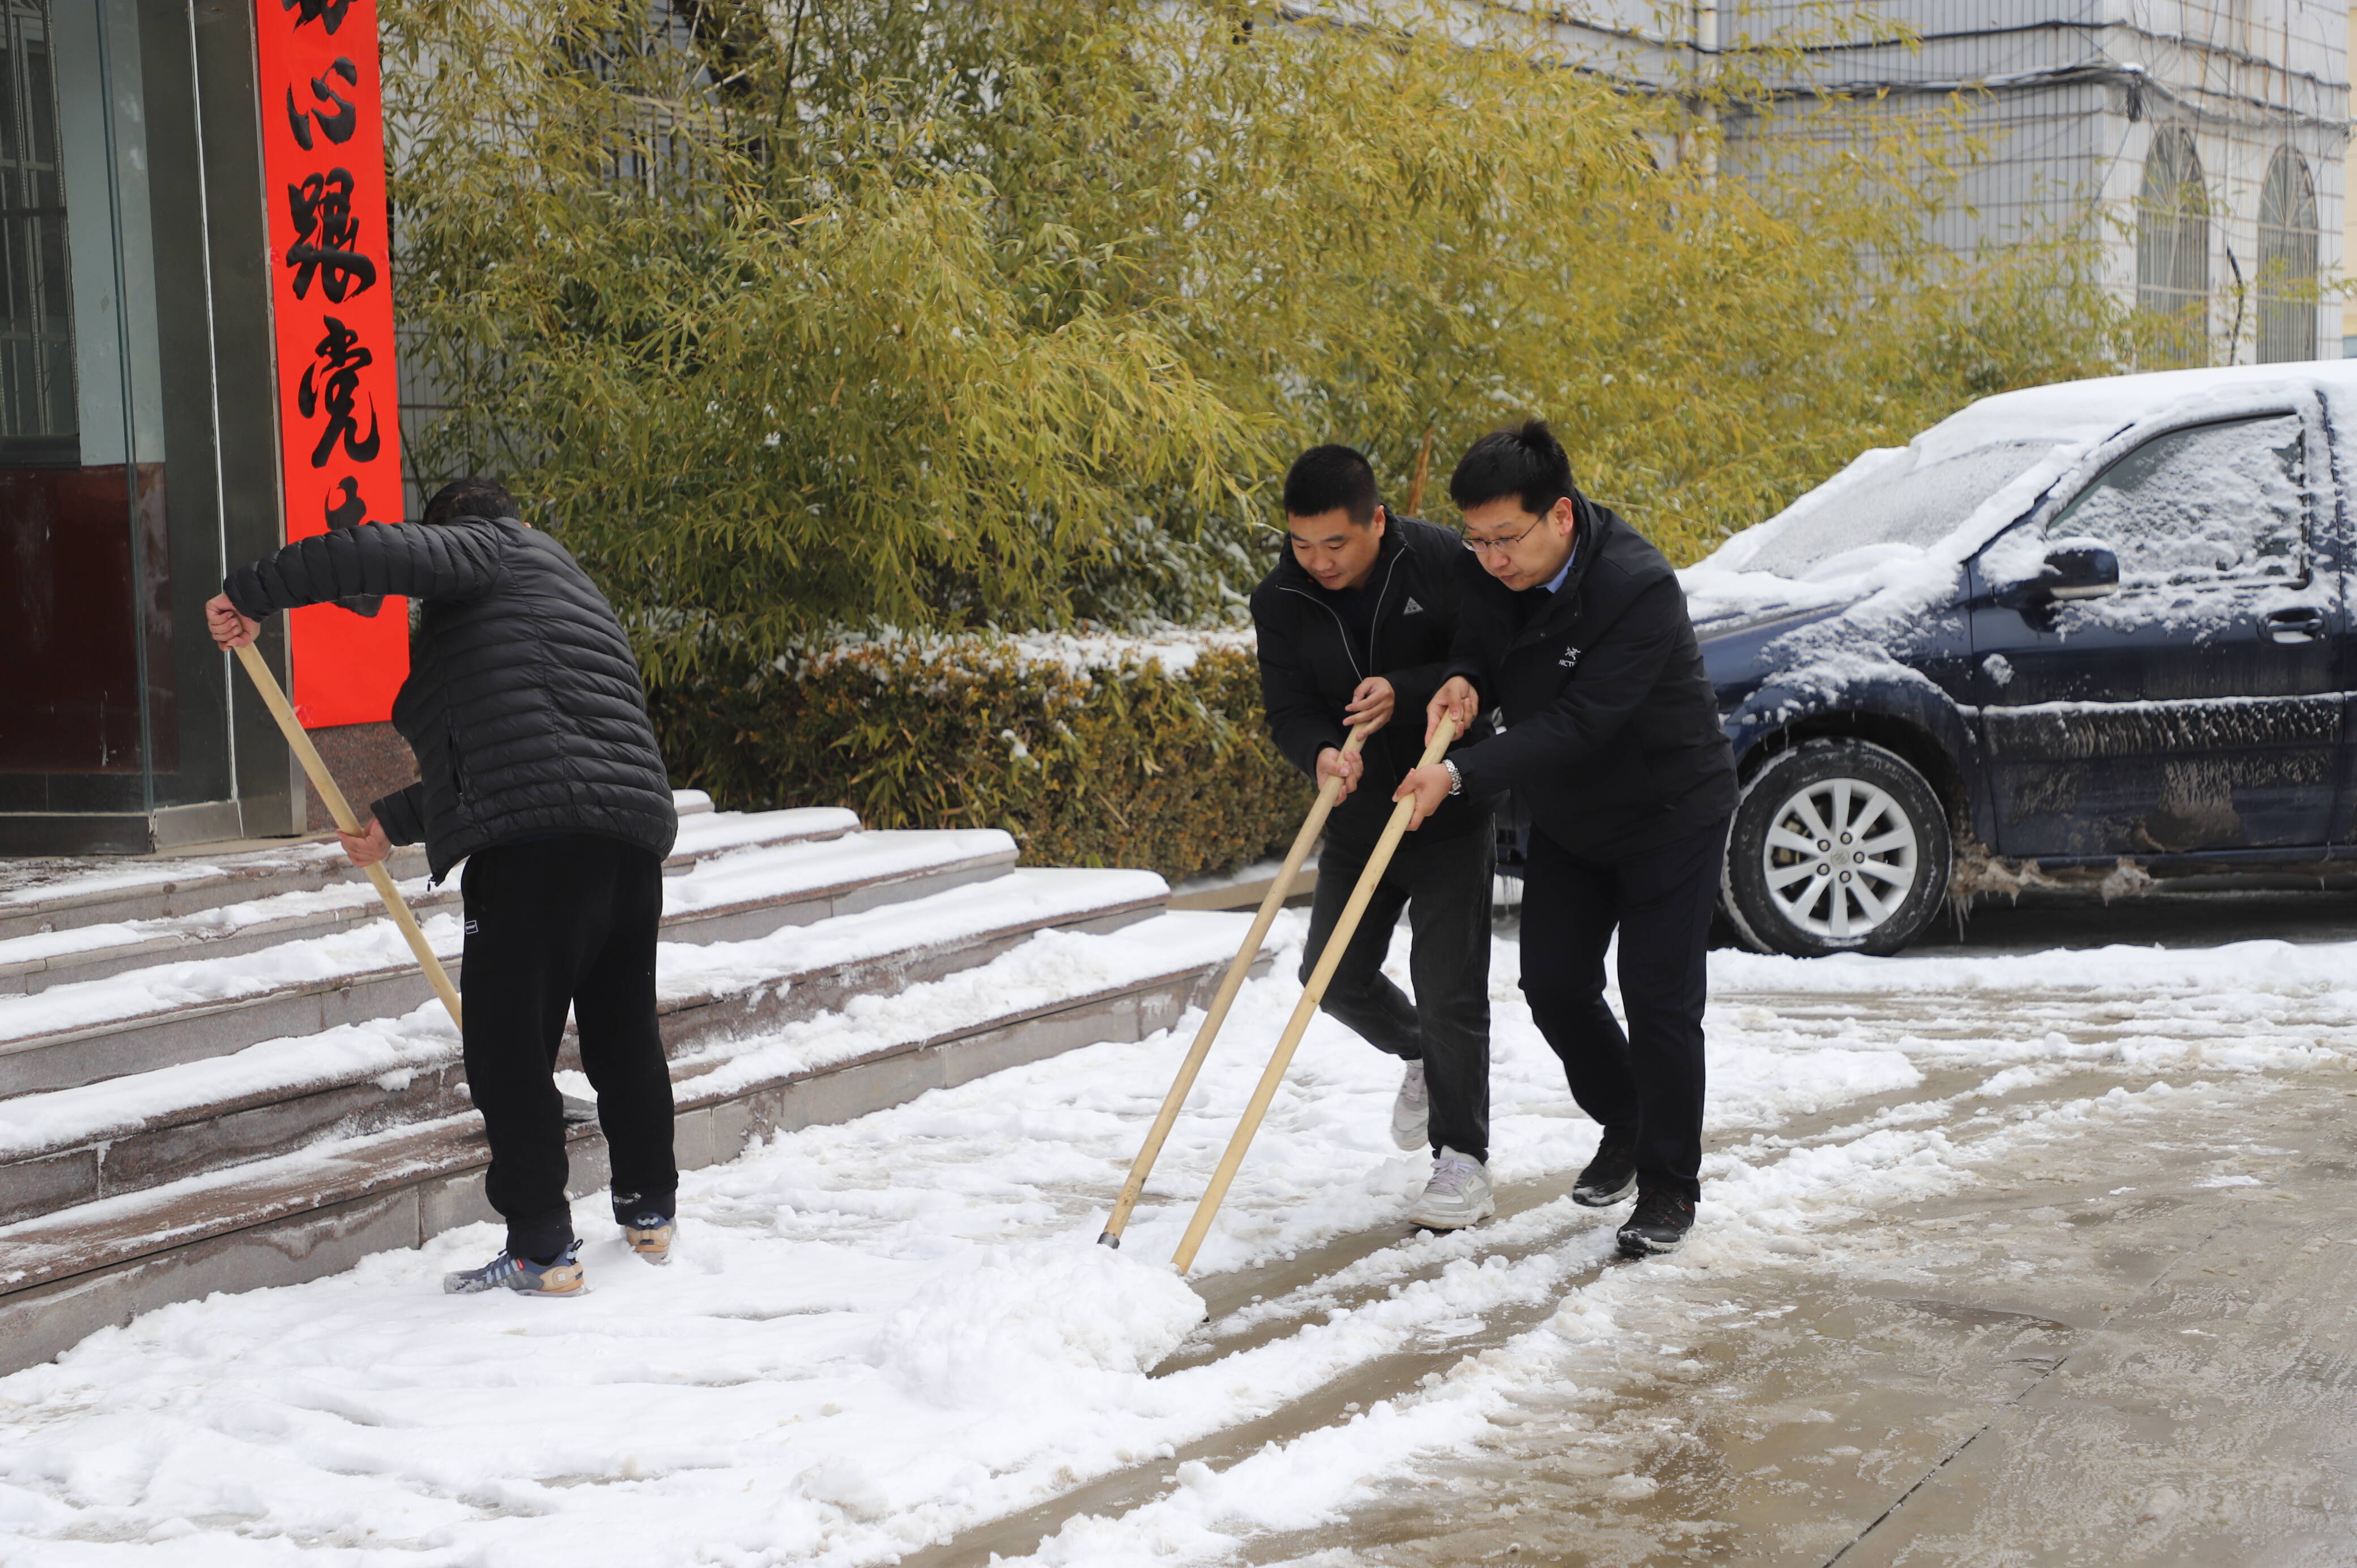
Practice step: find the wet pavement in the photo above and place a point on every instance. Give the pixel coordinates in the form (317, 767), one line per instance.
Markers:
(2132, 1340)
(2188, 912)
(2115, 1359)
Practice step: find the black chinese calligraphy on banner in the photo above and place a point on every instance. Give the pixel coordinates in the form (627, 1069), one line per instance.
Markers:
(331, 296)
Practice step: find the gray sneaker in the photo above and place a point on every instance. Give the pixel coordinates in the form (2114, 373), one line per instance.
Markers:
(560, 1277)
(1411, 1110)
(1458, 1193)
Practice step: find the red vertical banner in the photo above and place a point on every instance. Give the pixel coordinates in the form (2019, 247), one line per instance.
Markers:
(331, 304)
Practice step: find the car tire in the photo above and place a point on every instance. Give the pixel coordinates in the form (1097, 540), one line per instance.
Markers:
(1837, 846)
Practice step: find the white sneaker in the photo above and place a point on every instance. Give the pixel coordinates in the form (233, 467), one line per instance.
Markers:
(1458, 1195)
(1412, 1111)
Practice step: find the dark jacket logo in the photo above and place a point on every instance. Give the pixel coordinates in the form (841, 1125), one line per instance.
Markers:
(1570, 659)
(1413, 607)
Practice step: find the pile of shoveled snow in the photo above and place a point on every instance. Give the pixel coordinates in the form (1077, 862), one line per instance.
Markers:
(1008, 1318)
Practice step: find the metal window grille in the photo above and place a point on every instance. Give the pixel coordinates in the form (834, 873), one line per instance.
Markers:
(2173, 241)
(2288, 248)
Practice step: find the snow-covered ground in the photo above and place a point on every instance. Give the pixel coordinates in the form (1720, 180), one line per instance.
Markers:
(880, 1336)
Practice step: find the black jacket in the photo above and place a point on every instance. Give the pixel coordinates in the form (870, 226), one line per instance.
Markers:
(1308, 669)
(1612, 739)
(522, 702)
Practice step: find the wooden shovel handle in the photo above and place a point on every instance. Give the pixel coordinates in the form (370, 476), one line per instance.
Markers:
(316, 767)
(1328, 959)
(1273, 900)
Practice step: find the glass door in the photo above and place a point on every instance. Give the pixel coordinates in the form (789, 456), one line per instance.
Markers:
(114, 708)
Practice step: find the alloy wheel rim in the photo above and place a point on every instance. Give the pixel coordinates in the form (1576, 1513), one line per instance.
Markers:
(1840, 858)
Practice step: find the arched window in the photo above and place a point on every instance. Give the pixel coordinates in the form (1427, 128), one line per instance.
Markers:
(2173, 243)
(2287, 245)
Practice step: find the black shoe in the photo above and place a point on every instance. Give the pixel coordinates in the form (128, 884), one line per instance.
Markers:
(1658, 1224)
(1611, 1175)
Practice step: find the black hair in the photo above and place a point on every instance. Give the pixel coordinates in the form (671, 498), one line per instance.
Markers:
(471, 497)
(1525, 461)
(1330, 478)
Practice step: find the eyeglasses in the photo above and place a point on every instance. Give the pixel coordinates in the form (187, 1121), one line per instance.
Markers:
(1483, 546)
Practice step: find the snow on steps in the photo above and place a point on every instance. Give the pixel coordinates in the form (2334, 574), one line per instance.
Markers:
(59, 895)
(140, 1130)
(183, 1010)
(275, 905)
(318, 1209)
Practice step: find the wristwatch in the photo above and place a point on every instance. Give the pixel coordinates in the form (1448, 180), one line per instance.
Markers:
(1455, 779)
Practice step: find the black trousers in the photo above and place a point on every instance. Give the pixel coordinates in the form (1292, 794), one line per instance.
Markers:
(554, 924)
(1444, 884)
(1648, 1082)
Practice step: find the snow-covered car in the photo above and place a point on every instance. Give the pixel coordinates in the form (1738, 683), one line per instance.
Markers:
(2086, 631)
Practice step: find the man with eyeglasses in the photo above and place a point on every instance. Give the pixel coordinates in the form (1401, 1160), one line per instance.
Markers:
(1355, 622)
(1575, 628)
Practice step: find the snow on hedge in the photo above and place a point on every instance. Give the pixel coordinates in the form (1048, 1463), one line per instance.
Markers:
(1174, 648)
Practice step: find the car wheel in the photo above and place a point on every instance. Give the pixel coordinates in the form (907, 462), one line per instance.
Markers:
(1837, 846)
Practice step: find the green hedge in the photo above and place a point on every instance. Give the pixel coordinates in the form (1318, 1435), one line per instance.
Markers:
(1121, 765)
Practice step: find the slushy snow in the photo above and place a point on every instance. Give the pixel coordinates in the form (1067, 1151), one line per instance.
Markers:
(879, 1335)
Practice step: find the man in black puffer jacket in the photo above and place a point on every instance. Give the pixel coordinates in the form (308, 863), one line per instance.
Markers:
(538, 768)
(1577, 629)
(1354, 624)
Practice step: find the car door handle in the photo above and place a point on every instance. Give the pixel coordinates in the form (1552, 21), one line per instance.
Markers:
(2293, 626)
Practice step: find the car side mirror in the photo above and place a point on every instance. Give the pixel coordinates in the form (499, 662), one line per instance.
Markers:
(2073, 569)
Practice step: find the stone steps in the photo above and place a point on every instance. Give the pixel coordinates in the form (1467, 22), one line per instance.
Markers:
(136, 1131)
(1111, 969)
(275, 904)
(161, 1014)
(50, 896)
(227, 1072)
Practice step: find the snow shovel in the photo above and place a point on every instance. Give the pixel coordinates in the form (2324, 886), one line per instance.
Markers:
(1143, 1167)
(340, 808)
(1328, 960)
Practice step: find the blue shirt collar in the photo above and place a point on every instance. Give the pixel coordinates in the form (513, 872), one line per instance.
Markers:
(1559, 576)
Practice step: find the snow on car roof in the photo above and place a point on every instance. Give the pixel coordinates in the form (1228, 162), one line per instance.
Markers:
(2089, 411)
(2018, 443)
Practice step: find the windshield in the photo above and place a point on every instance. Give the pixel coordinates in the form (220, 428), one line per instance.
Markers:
(1909, 501)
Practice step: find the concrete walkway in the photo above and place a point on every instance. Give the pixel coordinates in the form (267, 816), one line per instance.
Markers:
(2131, 1340)
(2139, 1346)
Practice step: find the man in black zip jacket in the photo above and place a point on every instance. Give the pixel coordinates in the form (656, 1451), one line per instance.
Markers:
(1577, 629)
(538, 768)
(1355, 625)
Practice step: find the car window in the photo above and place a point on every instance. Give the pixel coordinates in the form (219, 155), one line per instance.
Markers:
(2214, 503)
(1912, 502)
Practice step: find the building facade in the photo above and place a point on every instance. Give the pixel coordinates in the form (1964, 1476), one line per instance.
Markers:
(2200, 144)
(194, 307)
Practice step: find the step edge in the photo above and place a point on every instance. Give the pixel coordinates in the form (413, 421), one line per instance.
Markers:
(330, 1195)
(703, 999)
(190, 1113)
(695, 1002)
(336, 871)
(946, 1037)
(1005, 859)
(294, 926)
(35, 909)
(361, 908)
(297, 991)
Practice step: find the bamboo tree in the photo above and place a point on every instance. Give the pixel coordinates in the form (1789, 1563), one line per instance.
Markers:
(794, 317)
